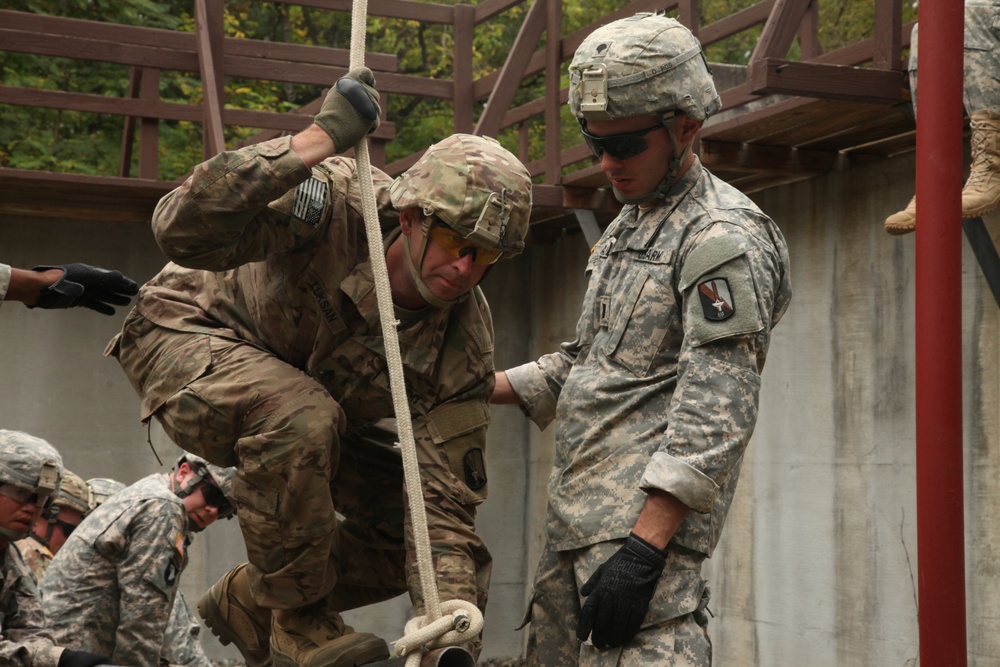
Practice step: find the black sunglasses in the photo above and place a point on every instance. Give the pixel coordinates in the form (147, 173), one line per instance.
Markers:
(619, 146)
(217, 499)
(67, 528)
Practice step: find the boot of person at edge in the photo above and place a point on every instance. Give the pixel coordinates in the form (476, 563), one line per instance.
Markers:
(981, 193)
(311, 637)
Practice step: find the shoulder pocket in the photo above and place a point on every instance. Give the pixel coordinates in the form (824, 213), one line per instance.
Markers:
(720, 299)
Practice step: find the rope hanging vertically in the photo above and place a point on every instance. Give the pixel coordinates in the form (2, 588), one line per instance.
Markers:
(465, 620)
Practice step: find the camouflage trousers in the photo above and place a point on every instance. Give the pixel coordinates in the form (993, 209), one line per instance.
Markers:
(674, 633)
(981, 79)
(295, 473)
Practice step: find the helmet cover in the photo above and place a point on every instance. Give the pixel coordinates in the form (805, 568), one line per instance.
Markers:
(643, 65)
(475, 186)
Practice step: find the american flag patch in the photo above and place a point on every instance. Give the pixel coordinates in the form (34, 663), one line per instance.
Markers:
(310, 198)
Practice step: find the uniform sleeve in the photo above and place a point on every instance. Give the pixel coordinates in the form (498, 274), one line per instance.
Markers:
(25, 641)
(728, 285)
(539, 383)
(4, 282)
(238, 207)
(147, 581)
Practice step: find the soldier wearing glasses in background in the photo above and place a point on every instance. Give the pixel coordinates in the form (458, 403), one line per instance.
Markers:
(70, 505)
(111, 588)
(30, 472)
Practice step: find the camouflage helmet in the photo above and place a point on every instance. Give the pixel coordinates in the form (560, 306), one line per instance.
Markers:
(102, 488)
(32, 464)
(475, 186)
(644, 65)
(73, 493)
(221, 477)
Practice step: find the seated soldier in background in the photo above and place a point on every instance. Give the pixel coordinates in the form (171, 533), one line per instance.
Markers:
(30, 469)
(111, 587)
(70, 504)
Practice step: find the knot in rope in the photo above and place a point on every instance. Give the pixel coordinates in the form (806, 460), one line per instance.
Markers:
(460, 622)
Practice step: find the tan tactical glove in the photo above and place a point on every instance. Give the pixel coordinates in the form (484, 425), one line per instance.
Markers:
(350, 110)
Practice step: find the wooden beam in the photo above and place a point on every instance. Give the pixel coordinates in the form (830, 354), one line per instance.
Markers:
(754, 158)
(209, 16)
(464, 28)
(773, 75)
(553, 140)
(149, 128)
(512, 72)
(409, 10)
(780, 29)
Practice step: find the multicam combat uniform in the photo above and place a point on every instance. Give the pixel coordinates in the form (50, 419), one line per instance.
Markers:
(266, 353)
(110, 588)
(658, 391)
(25, 641)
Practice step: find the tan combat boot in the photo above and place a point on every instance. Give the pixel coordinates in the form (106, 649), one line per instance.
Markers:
(981, 193)
(903, 222)
(231, 614)
(314, 636)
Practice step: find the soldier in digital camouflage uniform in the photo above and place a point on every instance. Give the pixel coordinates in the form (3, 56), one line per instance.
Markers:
(655, 401)
(30, 471)
(69, 286)
(181, 640)
(981, 96)
(112, 586)
(260, 346)
(70, 505)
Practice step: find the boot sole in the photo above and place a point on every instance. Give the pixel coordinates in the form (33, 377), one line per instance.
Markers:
(355, 655)
(978, 213)
(216, 622)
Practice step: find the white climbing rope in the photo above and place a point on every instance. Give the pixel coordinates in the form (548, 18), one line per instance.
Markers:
(455, 621)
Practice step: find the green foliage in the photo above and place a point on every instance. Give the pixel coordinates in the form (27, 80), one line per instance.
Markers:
(40, 138)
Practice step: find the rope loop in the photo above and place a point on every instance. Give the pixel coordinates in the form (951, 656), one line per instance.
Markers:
(460, 623)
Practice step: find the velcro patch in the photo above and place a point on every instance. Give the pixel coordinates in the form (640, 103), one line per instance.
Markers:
(716, 299)
(310, 198)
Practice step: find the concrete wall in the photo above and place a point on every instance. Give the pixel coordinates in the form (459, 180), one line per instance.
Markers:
(817, 565)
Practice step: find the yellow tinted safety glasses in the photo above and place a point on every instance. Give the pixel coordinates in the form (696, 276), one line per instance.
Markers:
(457, 246)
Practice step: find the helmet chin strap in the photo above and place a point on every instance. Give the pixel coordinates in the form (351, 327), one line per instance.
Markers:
(673, 168)
(422, 288)
(14, 537)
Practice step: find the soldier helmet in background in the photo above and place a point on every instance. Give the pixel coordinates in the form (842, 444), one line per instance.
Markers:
(643, 65)
(102, 488)
(32, 465)
(474, 186)
(222, 478)
(74, 494)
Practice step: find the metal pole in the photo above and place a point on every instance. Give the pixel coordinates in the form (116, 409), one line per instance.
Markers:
(940, 520)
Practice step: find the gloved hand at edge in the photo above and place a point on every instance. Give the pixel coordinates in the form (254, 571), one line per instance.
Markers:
(86, 286)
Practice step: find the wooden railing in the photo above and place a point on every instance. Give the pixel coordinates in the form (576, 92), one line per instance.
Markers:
(208, 52)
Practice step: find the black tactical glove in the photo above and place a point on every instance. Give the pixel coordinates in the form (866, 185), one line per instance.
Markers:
(618, 593)
(71, 658)
(350, 110)
(87, 286)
